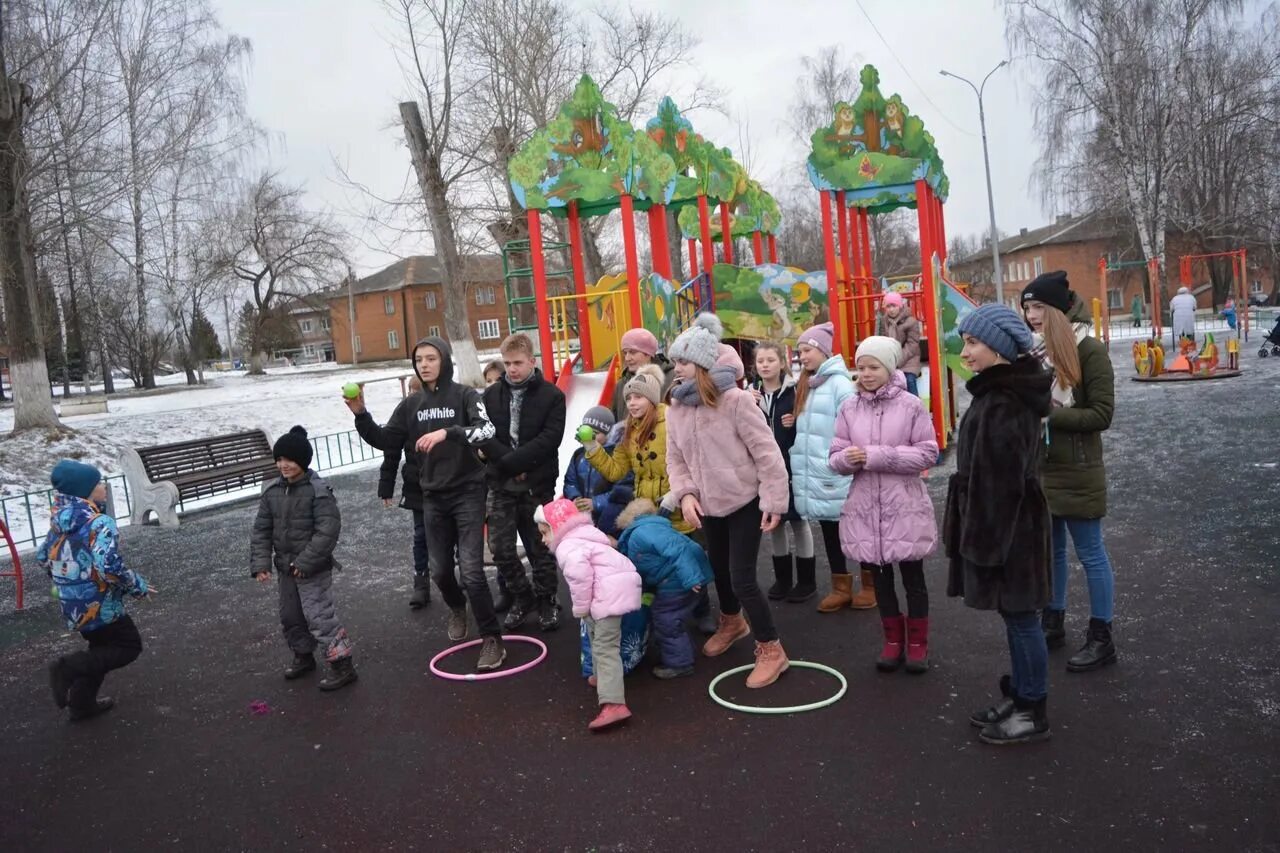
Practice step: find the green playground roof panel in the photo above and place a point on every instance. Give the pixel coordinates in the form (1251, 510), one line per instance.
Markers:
(875, 150)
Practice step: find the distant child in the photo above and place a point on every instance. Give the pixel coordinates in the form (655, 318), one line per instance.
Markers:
(776, 396)
(493, 371)
(884, 437)
(295, 533)
(604, 586)
(410, 499)
(590, 490)
(997, 519)
(502, 602)
(899, 323)
(90, 580)
(676, 570)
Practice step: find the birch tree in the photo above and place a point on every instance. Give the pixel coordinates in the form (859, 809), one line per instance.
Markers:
(1110, 74)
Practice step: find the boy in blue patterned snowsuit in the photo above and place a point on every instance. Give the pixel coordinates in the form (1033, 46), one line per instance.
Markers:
(90, 581)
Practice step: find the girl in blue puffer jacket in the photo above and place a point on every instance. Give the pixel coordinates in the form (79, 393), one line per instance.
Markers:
(675, 569)
(588, 488)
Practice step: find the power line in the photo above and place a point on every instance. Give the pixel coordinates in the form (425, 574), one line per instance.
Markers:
(901, 65)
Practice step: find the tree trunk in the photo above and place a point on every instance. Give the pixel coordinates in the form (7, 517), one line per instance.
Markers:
(28, 372)
(435, 193)
(676, 242)
(147, 377)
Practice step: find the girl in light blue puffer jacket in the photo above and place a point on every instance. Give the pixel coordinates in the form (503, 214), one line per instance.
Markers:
(820, 492)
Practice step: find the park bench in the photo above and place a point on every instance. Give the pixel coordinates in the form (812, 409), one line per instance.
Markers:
(94, 405)
(166, 475)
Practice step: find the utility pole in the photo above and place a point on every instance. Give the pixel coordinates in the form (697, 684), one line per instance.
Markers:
(351, 313)
(226, 324)
(997, 277)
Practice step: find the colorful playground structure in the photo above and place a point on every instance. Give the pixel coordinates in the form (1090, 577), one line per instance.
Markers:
(1238, 290)
(874, 157)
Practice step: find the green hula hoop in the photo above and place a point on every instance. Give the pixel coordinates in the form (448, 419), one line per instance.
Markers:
(794, 709)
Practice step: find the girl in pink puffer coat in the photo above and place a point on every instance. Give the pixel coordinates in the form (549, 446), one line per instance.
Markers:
(885, 436)
(604, 586)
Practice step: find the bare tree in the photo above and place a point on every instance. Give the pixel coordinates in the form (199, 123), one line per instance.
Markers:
(433, 38)
(176, 76)
(26, 49)
(277, 249)
(1111, 78)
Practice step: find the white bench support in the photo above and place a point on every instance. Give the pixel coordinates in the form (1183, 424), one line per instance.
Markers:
(146, 496)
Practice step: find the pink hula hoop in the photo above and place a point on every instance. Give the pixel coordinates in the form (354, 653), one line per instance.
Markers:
(487, 676)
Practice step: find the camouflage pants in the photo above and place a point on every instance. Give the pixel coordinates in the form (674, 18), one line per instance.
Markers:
(511, 515)
(309, 616)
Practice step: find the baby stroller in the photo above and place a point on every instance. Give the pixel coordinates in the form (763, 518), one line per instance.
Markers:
(1271, 343)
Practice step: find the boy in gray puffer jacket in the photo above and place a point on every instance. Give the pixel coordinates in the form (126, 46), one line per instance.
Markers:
(296, 532)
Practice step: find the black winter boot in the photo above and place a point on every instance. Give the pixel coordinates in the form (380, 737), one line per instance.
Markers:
(997, 712)
(1027, 724)
(421, 592)
(520, 609)
(502, 601)
(548, 615)
(1097, 651)
(302, 664)
(341, 673)
(782, 578)
(806, 580)
(1055, 635)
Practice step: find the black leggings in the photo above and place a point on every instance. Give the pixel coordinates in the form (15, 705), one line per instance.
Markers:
(912, 581)
(733, 546)
(831, 541)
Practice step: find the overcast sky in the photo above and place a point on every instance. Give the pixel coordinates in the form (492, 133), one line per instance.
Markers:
(325, 84)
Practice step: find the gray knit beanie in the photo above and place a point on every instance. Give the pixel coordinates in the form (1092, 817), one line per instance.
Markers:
(700, 343)
(999, 327)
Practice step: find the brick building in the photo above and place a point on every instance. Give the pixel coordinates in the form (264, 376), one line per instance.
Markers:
(1075, 243)
(403, 303)
(315, 338)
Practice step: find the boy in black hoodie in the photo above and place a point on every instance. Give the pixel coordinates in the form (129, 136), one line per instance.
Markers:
(446, 423)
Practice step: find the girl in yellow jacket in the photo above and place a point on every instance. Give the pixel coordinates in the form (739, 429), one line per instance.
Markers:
(643, 448)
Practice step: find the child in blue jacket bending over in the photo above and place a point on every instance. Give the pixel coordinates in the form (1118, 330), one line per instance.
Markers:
(675, 569)
(587, 487)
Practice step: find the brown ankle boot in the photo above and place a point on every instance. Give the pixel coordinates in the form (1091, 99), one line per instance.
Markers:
(732, 629)
(866, 598)
(771, 661)
(840, 596)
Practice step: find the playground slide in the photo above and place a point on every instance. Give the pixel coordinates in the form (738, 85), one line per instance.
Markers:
(584, 392)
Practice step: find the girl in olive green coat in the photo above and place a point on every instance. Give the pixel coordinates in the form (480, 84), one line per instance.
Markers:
(1073, 475)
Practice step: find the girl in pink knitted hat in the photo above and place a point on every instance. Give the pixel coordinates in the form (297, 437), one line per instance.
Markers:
(899, 323)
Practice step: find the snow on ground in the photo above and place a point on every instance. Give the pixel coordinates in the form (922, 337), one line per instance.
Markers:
(230, 402)
(309, 395)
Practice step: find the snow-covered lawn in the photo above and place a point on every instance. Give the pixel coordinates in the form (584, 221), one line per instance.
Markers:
(310, 395)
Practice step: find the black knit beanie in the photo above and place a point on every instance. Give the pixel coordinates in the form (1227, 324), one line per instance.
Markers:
(1051, 288)
(293, 445)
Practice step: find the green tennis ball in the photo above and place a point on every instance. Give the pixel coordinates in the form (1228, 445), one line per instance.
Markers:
(351, 390)
(585, 433)
(53, 592)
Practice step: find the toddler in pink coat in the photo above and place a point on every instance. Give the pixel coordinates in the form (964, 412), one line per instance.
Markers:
(884, 436)
(604, 586)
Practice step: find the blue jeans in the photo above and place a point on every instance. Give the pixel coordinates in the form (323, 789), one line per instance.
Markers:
(1086, 533)
(670, 611)
(911, 383)
(1028, 655)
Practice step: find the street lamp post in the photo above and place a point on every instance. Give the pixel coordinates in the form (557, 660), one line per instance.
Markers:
(986, 160)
